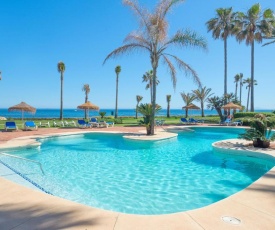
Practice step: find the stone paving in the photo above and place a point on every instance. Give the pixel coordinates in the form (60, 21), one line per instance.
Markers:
(25, 208)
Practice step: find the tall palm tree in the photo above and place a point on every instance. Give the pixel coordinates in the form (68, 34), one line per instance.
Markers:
(249, 84)
(253, 26)
(188, 98)
(61, 70)
(117, 70)
(148, 77)
(222, 27)
(139, 98)
(86, 89)
(168, 99)
(236, 81)
(202, 94)
(241, 86)
(152, 37)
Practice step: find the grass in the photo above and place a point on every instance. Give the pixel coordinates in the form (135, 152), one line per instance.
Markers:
(120, 121)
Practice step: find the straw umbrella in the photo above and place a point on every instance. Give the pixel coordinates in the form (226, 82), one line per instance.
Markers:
(231, 105)
(190, 106)
(23, 107)
(89, 106)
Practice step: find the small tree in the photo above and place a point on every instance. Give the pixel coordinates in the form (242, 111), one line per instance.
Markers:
(139, 98)
(216, 103)
(201, 95)
(102, 114)
(188, 98)
(147, 110)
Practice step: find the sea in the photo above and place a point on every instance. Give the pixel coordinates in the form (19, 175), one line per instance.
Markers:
(76, 113)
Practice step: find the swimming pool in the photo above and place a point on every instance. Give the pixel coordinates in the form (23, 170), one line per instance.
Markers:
(107, 171)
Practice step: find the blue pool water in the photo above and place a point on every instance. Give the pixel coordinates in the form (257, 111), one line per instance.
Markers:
(113, 173)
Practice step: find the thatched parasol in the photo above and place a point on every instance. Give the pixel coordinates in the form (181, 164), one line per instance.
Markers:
(191, 106)
(89, 106)
(231, 105)
(23, 107)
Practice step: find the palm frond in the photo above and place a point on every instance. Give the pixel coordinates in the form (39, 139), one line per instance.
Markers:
(135, 37)
(141, 13)
(186, 68)
(268, 43)
(172, 70)
(165, 6)
(187, 38)
(124, 49)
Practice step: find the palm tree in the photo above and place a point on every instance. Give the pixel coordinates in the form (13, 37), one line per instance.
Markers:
(216, 103)
(188, 98)
(61, 70)
(248, 81)
(201, 95)
(152, 37)
(222, 27)
(86, 89)
(253, 26)
(147, 110)
(241, 86)
(168, 99)
(148, 77)
(236, 81)
(117, 70)
(139, 98)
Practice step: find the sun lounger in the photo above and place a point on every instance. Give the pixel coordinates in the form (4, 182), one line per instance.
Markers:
(226, 122)
(83, 124)
(184, 120)
(103, 124)
(94, 122)
(159, 122)
(69, 123)
(10, 125)
(238, 122)
(58, 124)
(44, 124)
(30, 125)
(193, 121)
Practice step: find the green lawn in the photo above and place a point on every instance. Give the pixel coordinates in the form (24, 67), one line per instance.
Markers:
(120, 121)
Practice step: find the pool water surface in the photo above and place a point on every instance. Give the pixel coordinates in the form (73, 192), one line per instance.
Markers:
(106, 171)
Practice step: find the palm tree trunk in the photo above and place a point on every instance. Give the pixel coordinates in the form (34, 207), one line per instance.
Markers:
(248, 99)
(61, 98)
(202, 109)
(168, 109)
(236, 90)
(252, 77)
(241, 91)
(225, 67)
(86, 99)
(136, 111)
(154, 62)
(225, 72)
(116, 95)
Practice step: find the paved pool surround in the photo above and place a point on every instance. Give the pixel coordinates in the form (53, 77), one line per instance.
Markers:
(29, 208)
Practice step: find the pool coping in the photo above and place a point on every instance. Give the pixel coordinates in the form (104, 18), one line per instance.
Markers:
(254, 206)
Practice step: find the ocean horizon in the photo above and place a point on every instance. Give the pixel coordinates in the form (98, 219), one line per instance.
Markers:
(77, 113)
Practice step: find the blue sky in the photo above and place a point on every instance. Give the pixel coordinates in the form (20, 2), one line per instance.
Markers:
(36, 35)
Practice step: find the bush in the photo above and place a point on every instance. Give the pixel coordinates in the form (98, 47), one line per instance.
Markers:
(252, 114)
(118, 121)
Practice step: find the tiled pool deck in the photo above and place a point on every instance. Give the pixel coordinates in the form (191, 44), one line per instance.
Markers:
(27, 208)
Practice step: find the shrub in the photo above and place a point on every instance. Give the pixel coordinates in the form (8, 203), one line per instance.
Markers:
(252, 114)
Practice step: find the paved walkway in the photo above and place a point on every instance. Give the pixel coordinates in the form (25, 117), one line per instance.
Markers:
(25, 208)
